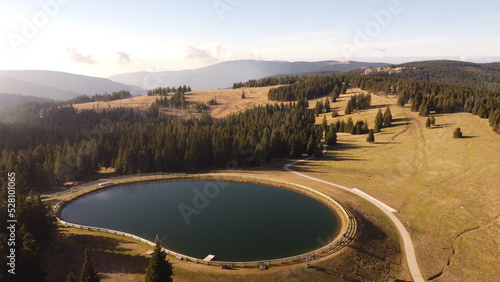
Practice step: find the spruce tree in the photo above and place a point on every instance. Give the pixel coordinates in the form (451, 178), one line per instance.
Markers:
(88, 272)
(319, 108)
(387, 117)
(343, 90)
(243, 95)
(319, 149)
(348, 108)
(324, 124)
(371, 137)
(326, 105)
(159, 269)
(331, 135)
(379, 121)
(457, 133)
(311, 146)
(428, 123)
(29, 262)
(336, 91)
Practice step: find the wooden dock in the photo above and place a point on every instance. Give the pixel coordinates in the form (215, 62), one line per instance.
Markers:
(209, 258)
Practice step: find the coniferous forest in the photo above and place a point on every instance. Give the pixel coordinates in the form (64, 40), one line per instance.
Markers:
(66, 145)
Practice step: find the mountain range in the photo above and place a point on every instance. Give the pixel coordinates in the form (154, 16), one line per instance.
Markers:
(58, 85)
(223, 75)
(63, 86)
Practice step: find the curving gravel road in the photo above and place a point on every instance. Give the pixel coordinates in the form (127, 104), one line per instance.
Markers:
(411, 258)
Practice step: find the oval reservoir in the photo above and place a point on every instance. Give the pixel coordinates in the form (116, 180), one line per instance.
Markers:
(232, 220)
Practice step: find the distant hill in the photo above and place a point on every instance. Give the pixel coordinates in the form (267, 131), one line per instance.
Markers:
(58, 85)
(223, 75)
(12, 100)
(455, 72)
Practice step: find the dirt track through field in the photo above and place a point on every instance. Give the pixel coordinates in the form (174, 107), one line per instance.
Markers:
(411, 258)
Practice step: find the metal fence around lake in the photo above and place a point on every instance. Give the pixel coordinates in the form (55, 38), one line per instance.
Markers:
(346, 235)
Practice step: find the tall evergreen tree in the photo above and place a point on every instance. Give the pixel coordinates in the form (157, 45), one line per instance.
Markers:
(326, 105)
(343, 90)
(311, 146)
(324, 124)
(331, 135)
(159, 269)
(387, 117)
(29, 263)
(371, 137)
(348, 107)
(319, 148)
(318, 108)
(88, 273)
(379, 121)
(428, 123)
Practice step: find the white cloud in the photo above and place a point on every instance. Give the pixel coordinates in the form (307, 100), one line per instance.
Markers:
(215, 52)
(123, 57)
(75, 56)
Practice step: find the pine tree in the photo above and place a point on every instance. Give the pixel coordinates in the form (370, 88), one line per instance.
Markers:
(348, 108)
(311, 146)
(324, 124)
(433, 121)
(159, 269)
(428, 123)
(326, 105)
(88, 272)
(344, 89)
(371, 137)
(319, 149)
(336, 91)
(379, 121)
(29, 261)
(457, 133)
(387, 117)
(318, 108)
(243, 95)
(331, 135)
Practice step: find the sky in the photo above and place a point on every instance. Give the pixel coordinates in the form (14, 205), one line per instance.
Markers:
(103, 38)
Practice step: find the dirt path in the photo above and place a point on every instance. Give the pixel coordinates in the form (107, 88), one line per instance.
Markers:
(411, 258)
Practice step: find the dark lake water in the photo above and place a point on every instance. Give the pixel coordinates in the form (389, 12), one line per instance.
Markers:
(233, 221)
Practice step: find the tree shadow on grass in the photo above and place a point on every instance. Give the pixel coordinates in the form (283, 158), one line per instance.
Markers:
(108, 254)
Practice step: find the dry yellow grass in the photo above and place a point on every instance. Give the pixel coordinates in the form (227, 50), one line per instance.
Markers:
(229, 101)
(446, 189)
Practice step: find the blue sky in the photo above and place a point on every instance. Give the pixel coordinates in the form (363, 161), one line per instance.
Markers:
(103, 38)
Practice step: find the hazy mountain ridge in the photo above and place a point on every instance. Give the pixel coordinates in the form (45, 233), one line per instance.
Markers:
(223, 75)
(58, 85)
(12, 100)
